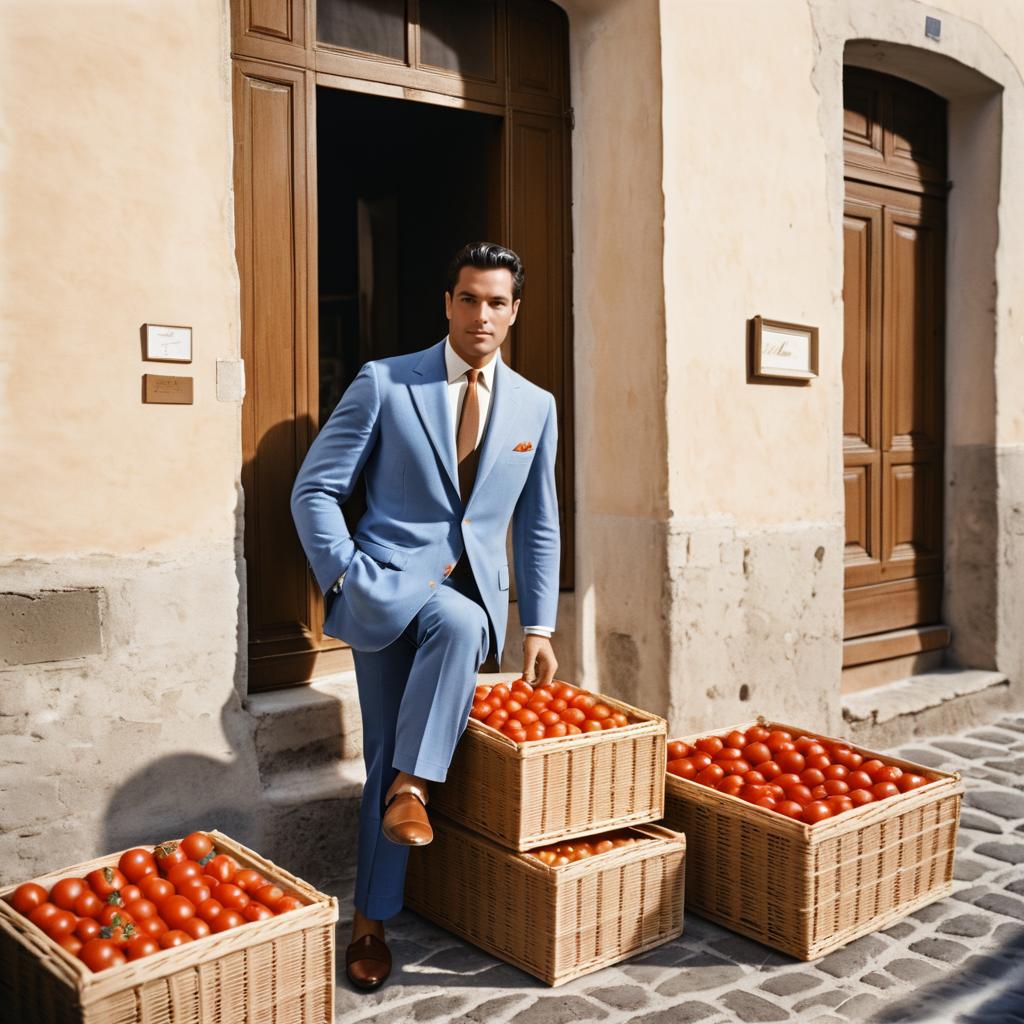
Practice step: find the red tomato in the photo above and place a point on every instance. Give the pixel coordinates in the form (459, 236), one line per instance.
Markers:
(753, 793)
(500, 693)
(812, 748)
(575, 730)
(104, 881)
(110, 914)
(858, 779)
(790, 761)
(590, 725)
(87, 928)
(248, 880)
(131, 892)
(788, 779)
(735, 767)
(599, 712)
(535, 731)
(257, 912)
(701, 759)
(790, 808)
(585, 701)
(859, 797)
(884, 789)
(677, 749)
(816, 811)
(140, 946)
(758, 734)
(836, 787)
(177, 937)
(729, 754)
(768, 802)
(223, 868)
(141, 908)
(175, 910)
(872, 766)
(710, 745)
(683, 768)
(757, 753)
(736, 739)
(526, 716)
(196, 890)
(156, 889)
(136, 864)
(812, 776)
(209, 909)
(779, 736)
(837, 771)
(754, 778)
(178, 874)
(480, 711)
(819, 761)
(887, 773)
(62, 923)
(228, 895)
(99, 954)
(72, 943)
(619, 719)
(710, 776)
(42, 915)
(497, 718)
(731, 784)
(558, 729)
(66, 891)
(511, 706)
(197, 927)
(151, 926)
(480, 692)
(566, 692)
(573, 716)
(286, 904)
(840, 804)
(27, 897)
(559, 705)
(167, 855)
(908, 781)
(818, 792)
(800, 793)
(226, 919)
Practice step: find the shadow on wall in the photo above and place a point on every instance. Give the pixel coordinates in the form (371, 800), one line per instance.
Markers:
(175, 794)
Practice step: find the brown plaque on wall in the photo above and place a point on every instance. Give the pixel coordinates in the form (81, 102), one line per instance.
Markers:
(163, 390)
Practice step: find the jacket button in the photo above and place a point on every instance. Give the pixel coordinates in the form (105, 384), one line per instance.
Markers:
(467, 521)
(432, 583)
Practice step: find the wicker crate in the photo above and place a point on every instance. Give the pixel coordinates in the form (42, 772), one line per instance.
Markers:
(808, 889)
(269, 971)
(555, 923)
(557, 788)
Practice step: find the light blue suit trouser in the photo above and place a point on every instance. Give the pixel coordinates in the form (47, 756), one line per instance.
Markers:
(415, 696)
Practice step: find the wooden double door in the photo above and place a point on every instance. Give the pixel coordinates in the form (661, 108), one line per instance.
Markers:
(372, 141)
(893, 366)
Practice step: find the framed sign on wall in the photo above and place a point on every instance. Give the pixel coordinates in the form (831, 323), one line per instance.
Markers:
(783, 351)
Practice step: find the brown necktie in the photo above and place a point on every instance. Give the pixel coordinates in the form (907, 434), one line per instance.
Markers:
(465, 440)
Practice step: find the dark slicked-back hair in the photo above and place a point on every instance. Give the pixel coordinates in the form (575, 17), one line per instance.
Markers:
(487, 256)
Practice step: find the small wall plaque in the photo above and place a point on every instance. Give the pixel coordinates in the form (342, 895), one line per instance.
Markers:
(162, 343)
(162, 390)
(781, 350)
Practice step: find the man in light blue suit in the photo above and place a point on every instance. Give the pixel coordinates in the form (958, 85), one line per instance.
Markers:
(453, 445)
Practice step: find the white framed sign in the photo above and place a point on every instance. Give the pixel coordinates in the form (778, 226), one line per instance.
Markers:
(163, 343)
(782, 350)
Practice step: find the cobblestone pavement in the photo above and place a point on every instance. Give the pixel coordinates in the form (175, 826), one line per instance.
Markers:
(958, 960)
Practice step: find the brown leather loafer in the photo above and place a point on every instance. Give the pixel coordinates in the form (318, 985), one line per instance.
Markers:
(405, 820)
(367, 962)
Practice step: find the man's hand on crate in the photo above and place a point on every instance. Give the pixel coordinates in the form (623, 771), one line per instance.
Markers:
(538, 659)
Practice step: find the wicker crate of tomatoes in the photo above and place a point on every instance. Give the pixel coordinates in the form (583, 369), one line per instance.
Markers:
(199, 930)
(560, 911)
(806, 842)
(573, 763)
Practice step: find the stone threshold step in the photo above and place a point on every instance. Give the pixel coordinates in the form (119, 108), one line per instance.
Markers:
(942, 701)
(335, 780)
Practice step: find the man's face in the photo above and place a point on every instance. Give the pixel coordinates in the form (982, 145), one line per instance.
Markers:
(480, 312)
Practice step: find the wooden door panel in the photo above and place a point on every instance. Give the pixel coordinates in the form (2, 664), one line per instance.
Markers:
(270, 30)
(539, 232)
(893, 377)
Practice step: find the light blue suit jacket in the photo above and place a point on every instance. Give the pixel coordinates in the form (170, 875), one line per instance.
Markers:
(394, 424)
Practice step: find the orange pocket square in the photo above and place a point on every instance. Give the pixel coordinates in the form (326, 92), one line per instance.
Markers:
(523, 446)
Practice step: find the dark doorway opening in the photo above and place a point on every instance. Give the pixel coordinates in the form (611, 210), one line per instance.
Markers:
(400, 187)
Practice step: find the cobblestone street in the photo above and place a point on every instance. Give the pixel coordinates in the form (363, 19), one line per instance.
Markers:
(958, 960)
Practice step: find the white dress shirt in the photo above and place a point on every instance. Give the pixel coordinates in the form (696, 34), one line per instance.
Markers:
(458, 385)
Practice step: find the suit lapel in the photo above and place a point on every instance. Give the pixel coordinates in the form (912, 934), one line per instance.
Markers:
(500, 420)
(431, 400)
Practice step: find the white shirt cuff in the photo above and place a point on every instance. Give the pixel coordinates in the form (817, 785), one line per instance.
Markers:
(538, 630)
(337, 586)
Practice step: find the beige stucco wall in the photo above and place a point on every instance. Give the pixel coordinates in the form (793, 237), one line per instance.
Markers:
(115, 190)
(120, 568)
